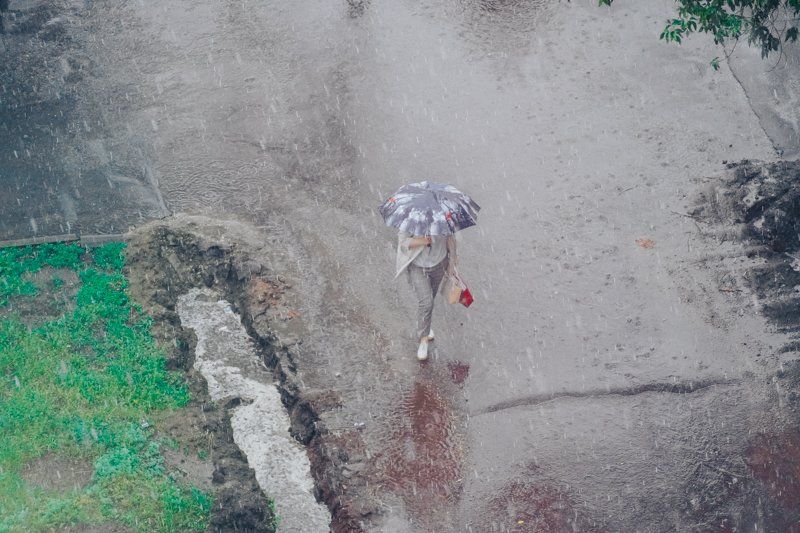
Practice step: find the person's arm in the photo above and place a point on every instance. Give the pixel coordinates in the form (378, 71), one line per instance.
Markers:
(407, 242)
(452, 249)
(417, 242)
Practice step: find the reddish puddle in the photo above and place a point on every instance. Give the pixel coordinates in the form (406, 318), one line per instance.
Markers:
(775, 461)
(766, 498)
(423, 460)
(458, 372)
(523, 506)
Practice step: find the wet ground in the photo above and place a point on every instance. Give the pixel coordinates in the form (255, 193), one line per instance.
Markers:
(69, 166)
(423, 458)
(615, 372)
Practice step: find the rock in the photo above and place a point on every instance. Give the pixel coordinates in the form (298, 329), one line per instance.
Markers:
(362, 507)
(165, 262)
(303, 418)
(323, 400)
(355, 467)
(761, 201)
(252, 268)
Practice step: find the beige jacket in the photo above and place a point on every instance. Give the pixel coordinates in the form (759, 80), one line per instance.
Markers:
(405, 254)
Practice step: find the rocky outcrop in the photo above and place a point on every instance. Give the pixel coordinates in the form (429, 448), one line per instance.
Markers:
(239, 502)
(761, 202)
(170, 257)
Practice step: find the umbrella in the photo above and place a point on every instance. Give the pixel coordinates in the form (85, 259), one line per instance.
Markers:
(428, 208)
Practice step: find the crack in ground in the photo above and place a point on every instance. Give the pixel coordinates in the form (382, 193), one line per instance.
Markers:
(779, 147)
(660, 387)
(736, 77)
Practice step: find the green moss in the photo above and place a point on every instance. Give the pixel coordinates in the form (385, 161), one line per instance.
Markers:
(16, 265)
(81, 386)
(154, 503)
(110, 257)
(36, 509)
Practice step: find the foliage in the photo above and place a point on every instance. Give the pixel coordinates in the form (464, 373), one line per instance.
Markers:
(82, 386)
(765, 23)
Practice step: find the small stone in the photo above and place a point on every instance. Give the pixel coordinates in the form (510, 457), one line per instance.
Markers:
(289, 341)
(355, 467)
(357, 458)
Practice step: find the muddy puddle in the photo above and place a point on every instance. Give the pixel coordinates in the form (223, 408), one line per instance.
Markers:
(459, 372)
(775, 461)
(526, 506)
(422, 463)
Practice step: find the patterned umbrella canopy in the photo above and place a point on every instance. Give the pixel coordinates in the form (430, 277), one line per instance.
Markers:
(428, 208)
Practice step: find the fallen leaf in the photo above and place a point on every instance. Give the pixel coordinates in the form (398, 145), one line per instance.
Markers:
(645, 243)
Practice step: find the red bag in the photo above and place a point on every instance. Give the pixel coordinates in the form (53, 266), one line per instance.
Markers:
(457, 290)
(466, 298)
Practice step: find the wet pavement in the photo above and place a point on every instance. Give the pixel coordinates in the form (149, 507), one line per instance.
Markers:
(67, 164)
(423, 458)
(614, 373)
(772, 89)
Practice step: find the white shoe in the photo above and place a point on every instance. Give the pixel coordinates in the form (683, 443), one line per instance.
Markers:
(430, 335)
(422, 351)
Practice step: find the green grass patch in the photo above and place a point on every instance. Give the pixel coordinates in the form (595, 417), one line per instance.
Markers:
(83, 386)
(16, 263)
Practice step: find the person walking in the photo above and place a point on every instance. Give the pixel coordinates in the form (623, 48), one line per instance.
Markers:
(427, 216)
(426, 260)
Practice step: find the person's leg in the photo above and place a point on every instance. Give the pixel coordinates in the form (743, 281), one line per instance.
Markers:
(422, 288)
(436, 275)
